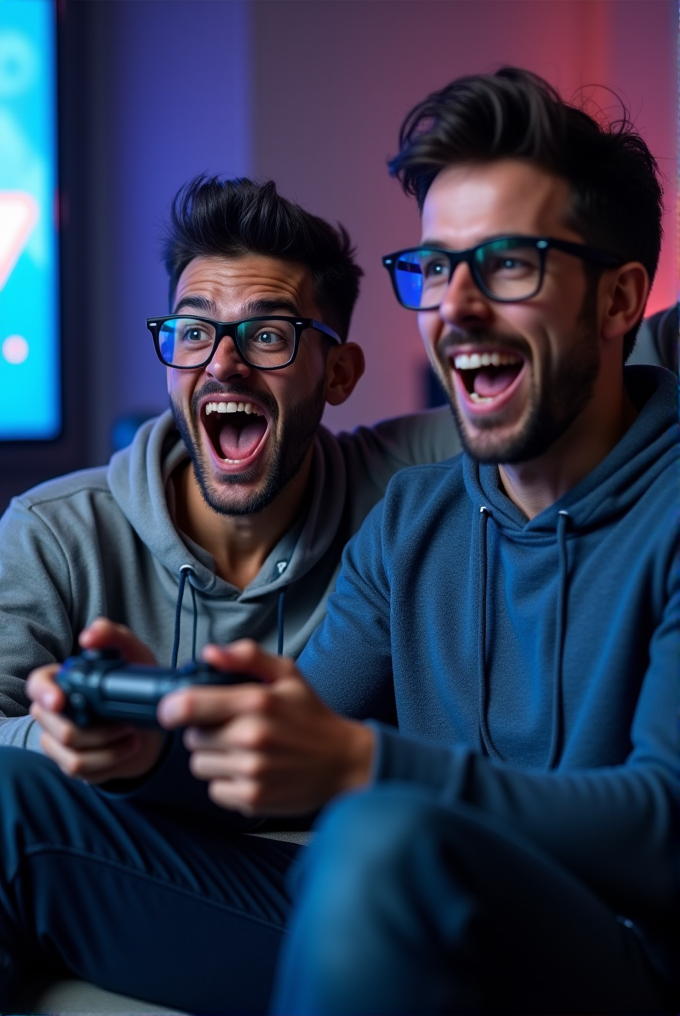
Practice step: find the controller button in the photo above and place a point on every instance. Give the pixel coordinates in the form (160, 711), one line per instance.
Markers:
(77, 700)
(100, 654)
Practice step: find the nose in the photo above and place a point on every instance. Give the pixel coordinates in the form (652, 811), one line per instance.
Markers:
(464, 302)
(227, 361)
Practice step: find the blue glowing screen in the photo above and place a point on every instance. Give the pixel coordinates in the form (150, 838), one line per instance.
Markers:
(30, 384)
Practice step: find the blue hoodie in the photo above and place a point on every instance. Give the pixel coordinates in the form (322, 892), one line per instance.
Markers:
(531, 666)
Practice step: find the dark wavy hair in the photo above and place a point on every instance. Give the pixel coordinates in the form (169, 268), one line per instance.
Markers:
(212, 217)
(616, 194)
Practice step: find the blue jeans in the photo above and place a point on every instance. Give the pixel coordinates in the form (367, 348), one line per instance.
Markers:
(405, 906)
(139, 900)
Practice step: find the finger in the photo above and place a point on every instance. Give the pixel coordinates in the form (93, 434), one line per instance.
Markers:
(242, 795)
(250, 796)
(251, 731)
(41, 687)
(247, 657)
(233, 764)
(96, 765)
(211, 706)
(105, 634)
(62, 729)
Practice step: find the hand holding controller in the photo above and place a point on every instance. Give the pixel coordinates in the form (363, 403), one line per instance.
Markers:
(100, 685)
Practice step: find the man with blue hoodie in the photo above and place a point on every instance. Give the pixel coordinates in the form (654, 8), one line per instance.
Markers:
(495, 683)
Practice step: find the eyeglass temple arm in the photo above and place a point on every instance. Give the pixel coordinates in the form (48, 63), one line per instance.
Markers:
(325, 329)
(583, 250)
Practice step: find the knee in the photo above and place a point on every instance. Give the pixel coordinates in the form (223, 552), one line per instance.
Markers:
(371, 842)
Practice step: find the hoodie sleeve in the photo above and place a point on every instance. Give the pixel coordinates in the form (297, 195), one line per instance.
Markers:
(418, 438)
(378, 452)
(34, 629)
(348, 660)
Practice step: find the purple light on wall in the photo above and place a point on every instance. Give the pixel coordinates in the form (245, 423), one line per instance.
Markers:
(182, 106)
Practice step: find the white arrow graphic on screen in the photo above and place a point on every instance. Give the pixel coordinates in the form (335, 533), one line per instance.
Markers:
(18, 216)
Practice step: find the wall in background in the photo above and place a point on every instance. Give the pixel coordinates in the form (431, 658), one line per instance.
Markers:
(182, 105)
(326, 122)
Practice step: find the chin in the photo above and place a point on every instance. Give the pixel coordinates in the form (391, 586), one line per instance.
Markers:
(235, 494)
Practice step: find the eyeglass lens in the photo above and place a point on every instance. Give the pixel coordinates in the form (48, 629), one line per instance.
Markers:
(505, 268)
(263, 342)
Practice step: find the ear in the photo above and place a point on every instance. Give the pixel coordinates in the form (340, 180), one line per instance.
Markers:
(344, 366)
(625, 294)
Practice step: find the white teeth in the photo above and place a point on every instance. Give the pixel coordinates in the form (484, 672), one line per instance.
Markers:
(232, 407)
(474, 397)
(473, 361)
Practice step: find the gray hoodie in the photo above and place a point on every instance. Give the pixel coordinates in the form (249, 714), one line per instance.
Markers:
(103, 542)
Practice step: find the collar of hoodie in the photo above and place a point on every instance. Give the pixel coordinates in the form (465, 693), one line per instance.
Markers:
(187, 575)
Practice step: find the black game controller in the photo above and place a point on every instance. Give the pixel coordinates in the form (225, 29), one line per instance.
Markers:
(100, 685)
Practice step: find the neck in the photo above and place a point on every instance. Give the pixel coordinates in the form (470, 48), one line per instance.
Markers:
(240, 544)
(534, 486)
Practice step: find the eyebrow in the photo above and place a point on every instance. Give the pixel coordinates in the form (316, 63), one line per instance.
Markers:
(278, 305)
(251, 308)
(196, 303)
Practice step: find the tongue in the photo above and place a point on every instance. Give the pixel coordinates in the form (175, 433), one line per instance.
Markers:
(240, 442)
(491, 381)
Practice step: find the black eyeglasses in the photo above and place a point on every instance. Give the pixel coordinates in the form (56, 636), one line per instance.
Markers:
(267, 343)
(508, 269)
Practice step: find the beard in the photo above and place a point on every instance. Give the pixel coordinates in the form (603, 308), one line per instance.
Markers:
(566, 390)
(289, 445)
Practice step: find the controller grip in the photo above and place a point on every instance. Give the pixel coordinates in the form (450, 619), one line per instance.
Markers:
(99, 686)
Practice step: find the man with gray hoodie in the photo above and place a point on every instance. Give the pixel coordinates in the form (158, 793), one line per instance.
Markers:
(226, 518)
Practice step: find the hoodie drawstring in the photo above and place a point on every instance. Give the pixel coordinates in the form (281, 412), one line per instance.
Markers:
(282, 600)
(183, 576)
(483, 727)
(563, 519)
(560, 625)
(184, 573)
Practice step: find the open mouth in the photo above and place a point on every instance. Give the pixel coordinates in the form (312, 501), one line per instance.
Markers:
(236, 428)
(487, 377)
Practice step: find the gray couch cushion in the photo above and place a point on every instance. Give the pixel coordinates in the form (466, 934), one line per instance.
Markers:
(64, 997)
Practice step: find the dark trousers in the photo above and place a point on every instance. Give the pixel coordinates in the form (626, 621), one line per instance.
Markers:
(405, 906)
(138, 900)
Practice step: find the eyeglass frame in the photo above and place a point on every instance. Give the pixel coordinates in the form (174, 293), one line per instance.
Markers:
(541, 243)
(222, 328)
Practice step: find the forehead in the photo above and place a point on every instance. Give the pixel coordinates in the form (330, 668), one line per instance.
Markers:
(468, 204)
(231, 284)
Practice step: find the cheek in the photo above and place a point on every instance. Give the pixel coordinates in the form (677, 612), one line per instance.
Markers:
(430, 327)
(180, 386)
(300, 379)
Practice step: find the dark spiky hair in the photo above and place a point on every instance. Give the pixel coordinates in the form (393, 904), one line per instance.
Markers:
(211, 217)
(616, 195)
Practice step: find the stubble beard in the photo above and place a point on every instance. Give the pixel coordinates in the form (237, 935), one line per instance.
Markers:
(552, 408)
(288, 450)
